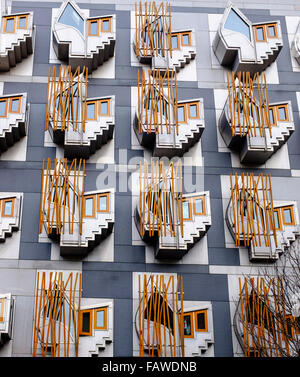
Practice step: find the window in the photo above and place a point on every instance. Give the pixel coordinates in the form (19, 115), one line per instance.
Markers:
(15, 105)
(3, 108)
(174, 42)
(104, 107)
(103, 202)
(93, 28)
(282, 113)
(271, 116)
(8, 207)
(235, 23)
(181, 114)
(106, 25)
(199, 205)
(193, 110)
(272, 31)
(100, 319)
(288, 215)
(201, 321)
(186, 39)
(85, 322)
(9, 24)
(15, 22)
(277, 219)
(89, 206)
(72, 18)
(186, 210)
(2, 303)
(188, 325)
(22, 22)
(91, 110)
(260, 33)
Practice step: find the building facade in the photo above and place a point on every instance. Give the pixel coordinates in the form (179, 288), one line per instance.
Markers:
(148, 160)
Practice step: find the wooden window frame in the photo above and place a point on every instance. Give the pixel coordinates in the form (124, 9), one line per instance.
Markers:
(95, 112)
(109, 21)
(108, 107)
(185, 113)
(5, 22)
(274, 111)
(2, 302)
(205, 319)
(177, 35)
(12, 207)
(275, 30)
(84, 201)
(197, 107)
(181, 38)
(91, 322)
(190, 210)
(18, 19)
(203, 205)
(190, 314)
(10, 105)
(286, 113)
(264, 32)
(278, 210)
(89, 28)
(6, 102)
(105, 318)
(291, 208)
(107, 194)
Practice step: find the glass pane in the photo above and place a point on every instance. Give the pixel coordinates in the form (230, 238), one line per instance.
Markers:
(185, 39)
(94, 28)
(180, 112)
(22, 22)
(174, 41)
(100, 318)
(271, 115)
(236, 23)
(15, 105)
(282, 113)
(86, 320)
(10, 25)
(90, 111)
(71, 17)
(271, 31)
(287, 216)
(89, 206)
(102, 203)
(260, 34)
(199, 205)
(2, 108)
(201, 321)
(104, 108)
(8, 208)
(193, 111)
(186, 210)
(276, 219)
(187, 325)
(105, 25)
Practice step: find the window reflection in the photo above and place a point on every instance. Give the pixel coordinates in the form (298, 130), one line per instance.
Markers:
(236, 23)
(71, 17)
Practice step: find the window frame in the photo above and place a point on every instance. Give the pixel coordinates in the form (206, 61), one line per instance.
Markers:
(90, 333)
(5, 22)
(12, 207)
(278, 210)
(108, 107)
(10, 105)
(95, 112)
(291, 208)
(185, 113)
(190, 314)
(181, 38)
(2, 304)
(197, 110)
(178, 41)
(275, 30)
(89, 28)
(6, 102)
(273, 109)
(109, 22)
(255, 27)
(84, 206)
(285, 106)
(106, 194)
(190, 210)
(205, 320)
(105, 318)
(203, 205)
(18, 21)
